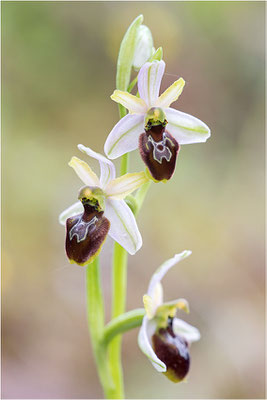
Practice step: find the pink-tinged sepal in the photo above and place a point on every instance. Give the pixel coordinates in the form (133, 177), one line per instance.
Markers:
(173, 351)
(159, 150)
(86, 234)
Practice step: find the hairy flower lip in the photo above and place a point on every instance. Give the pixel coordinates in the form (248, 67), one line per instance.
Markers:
(85, 235)
(159, 151)
(173, 350)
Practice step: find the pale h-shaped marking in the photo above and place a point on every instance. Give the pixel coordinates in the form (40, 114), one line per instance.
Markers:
(85, 224)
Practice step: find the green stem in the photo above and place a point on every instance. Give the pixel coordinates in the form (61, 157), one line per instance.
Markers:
(123, 323)
(124, 163)
(95, 315)
(119, 283)
(119, 286)
(132, 84)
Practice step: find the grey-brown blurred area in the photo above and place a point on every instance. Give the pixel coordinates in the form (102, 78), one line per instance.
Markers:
(58, 71)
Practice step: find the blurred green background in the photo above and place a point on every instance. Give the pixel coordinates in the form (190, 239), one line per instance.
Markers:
(58, 71)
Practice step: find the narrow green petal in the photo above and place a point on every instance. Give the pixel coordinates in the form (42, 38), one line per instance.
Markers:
(171, 94)
(84, 172)
(107, 167)
(134, 104)
(169, 310)
(120, 187)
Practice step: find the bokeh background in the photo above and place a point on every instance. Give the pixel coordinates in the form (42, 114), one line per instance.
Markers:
(58, 71)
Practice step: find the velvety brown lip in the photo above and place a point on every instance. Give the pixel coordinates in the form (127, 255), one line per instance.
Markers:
(85, 234)
(159, 150)
(173, 351)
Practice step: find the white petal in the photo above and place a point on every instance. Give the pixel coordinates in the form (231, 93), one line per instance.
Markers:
(161, 271)
(134, 104)
(149, 80)
(171, 94)
(182, 328)
(124, 136)
(107, 167)
(120, 187)
(146, 332)
(123, 227)
(185, 128)
(84, 172)
(75, 209)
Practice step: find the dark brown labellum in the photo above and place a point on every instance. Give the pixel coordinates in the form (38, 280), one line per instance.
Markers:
(159, 150)
(173, 351)
(85, 235)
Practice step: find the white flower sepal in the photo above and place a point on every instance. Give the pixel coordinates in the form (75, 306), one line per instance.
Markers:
(157, 314)
(123, 227)
(185, 128)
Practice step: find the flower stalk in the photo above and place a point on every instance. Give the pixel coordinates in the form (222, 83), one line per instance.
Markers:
(123, 323)
(96, 317)
(119, 289)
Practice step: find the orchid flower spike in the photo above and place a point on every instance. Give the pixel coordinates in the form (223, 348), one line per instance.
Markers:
(164, 338)
(152, 125)
(100, 210)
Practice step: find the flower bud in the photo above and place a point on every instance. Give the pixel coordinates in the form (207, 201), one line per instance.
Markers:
(173, 351)
(143, 48)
